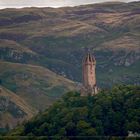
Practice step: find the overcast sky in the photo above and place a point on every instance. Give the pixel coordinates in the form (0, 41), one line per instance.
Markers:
(49, 3)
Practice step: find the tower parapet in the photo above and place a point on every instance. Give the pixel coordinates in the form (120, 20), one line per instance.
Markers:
(89, 75)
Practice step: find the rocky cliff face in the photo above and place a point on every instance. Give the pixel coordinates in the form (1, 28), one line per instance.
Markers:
(13, 110)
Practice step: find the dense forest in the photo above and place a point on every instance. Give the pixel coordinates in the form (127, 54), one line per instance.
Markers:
(112, 112)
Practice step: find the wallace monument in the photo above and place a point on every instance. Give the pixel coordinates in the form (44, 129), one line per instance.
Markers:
(89, 75)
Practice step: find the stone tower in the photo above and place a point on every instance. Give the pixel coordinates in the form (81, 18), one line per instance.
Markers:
(89, 76)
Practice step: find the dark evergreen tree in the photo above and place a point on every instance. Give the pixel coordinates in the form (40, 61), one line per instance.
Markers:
(110, 113)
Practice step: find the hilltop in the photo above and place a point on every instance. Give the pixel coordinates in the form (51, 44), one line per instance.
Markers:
(112, 112)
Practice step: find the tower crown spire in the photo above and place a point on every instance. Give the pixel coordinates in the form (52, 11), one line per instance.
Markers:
(89, 58)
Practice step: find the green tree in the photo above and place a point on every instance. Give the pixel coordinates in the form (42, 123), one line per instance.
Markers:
(110, 112)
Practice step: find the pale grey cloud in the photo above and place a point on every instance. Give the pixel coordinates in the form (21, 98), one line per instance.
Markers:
(49, 3)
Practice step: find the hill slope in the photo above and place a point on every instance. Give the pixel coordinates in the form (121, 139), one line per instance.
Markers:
(58, 36)
(14, 109)
(34, 82)
(29, 90)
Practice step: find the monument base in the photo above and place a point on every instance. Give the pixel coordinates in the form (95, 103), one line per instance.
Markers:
(89, 91)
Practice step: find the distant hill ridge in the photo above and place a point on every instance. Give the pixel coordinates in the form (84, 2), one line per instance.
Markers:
(55, 38)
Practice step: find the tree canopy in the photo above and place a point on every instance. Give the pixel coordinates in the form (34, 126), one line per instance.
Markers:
(112, 112)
